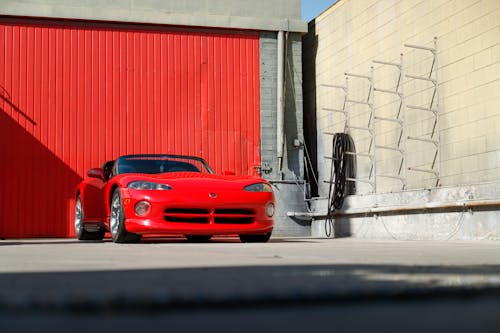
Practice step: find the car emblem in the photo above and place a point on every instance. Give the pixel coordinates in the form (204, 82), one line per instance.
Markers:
(212, 195)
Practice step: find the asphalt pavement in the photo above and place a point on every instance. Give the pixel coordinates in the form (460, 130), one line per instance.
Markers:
(287, 284)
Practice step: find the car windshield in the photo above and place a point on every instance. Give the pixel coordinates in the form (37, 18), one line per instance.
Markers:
(152, 164)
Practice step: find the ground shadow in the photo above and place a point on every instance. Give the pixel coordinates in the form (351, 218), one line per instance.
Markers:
(243, 285)
(300, 298)
(309, 52)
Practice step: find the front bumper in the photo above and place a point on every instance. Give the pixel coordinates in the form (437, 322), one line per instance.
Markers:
(198, 212)
(148, 226)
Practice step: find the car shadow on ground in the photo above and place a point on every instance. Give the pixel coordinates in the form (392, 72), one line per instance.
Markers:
(232, 239)
(146, 240)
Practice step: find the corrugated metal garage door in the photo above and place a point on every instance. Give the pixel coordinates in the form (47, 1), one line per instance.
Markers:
(73, 95)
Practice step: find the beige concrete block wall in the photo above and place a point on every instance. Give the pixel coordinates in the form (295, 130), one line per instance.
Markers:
(352, 33)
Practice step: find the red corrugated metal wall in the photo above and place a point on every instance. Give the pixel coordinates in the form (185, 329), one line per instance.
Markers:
(73, 95)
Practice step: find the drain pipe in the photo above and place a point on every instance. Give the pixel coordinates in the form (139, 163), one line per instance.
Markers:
(280, 112)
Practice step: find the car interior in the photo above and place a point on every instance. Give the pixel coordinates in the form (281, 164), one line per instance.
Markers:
(153, 166)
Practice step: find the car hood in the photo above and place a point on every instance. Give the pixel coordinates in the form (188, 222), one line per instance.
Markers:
(196, 180)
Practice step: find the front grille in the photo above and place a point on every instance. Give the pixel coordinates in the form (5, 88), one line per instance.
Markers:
(233, 220)
(233, 211)
(205, 216)
(233, 216)
(187, 215)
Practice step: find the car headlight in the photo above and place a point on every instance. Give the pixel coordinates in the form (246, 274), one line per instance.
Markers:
(142, 208)
(142, 185)
(270, 209)
(259, 187)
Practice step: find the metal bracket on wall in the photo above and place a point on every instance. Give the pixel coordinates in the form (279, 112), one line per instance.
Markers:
(344, 109)
(399, 120)
(370, 128)
(263, 168)
(433, 108)
(370, 153)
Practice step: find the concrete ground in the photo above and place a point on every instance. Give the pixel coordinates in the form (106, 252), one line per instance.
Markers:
(288, 284)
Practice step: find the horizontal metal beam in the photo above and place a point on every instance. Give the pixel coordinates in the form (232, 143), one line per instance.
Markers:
(422, 139)
(360, 180)
(352, 180)
(388, 91)
(334, 110)
(420, 47)
(424, 78)
(350, 153)
(390, 176)
(357, 102)
(421, 108)
(358, 75)
(403, 209)
(394, 120)
(333, 86)
(359, 154)
(387, 63)
(360, 128)
(424, 170)
(390, 148)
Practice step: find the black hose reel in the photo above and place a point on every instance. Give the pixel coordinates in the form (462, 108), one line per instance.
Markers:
(342, 169)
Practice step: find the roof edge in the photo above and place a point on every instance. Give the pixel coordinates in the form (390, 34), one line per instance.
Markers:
(152, 16)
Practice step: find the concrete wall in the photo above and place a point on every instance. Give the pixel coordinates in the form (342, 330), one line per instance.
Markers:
(351, 34)
(268, 84)
(294, 129)
(467, 212)
(289, 187)
(292, 166)
(239, 14)
(348, 37)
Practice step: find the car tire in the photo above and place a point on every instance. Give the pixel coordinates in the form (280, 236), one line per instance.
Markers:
(81, 233)
(255, 238)
(117, 221)
(198, 238)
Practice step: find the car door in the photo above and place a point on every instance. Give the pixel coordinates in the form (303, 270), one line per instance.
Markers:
(93, 199)
(95, 188)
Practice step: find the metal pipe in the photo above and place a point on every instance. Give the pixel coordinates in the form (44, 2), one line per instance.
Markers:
(282, 181)
(401, 209)
(279, 98)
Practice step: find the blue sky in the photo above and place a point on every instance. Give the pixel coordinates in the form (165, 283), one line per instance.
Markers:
(312, 8)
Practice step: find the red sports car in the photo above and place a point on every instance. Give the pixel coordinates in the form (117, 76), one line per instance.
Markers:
(139, 195)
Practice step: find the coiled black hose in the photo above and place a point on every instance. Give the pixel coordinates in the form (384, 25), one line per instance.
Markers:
(343, 166)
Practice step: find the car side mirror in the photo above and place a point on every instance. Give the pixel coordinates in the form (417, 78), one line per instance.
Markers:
(228, 173)
(96, 173)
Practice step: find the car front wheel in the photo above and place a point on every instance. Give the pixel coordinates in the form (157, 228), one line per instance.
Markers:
(117, 221)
